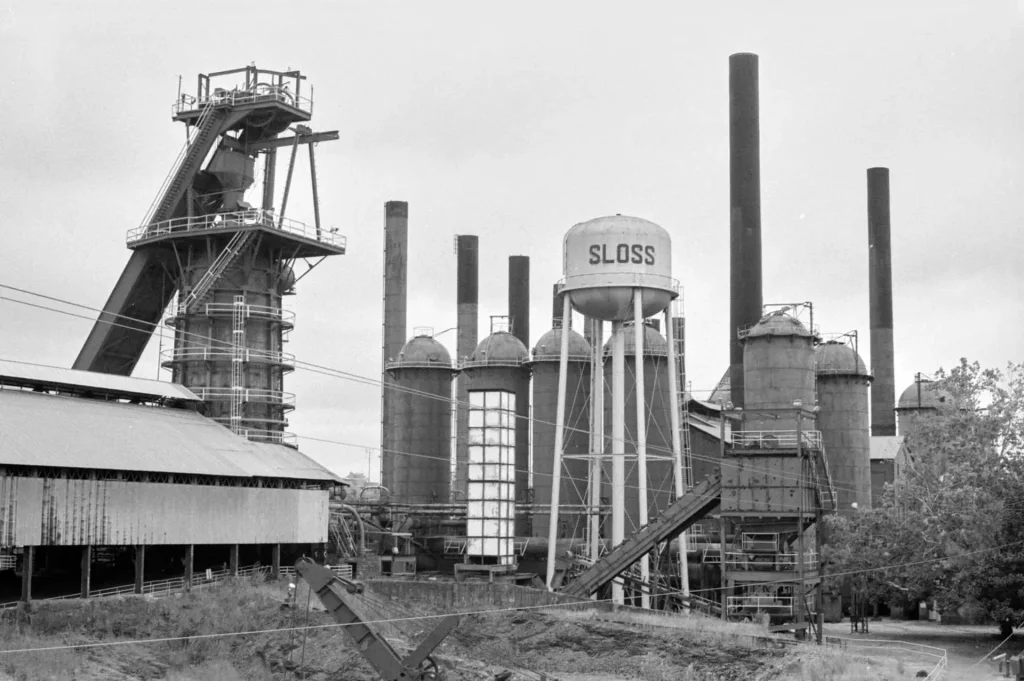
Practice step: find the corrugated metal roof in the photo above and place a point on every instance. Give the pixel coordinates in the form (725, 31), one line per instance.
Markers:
(26, 374)
(71, 432)
(885, 446)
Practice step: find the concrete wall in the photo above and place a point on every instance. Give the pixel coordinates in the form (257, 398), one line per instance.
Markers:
(418, 467)
(59, 512)
(843, 422)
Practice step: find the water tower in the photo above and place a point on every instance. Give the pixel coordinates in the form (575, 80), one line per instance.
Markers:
(617, 269)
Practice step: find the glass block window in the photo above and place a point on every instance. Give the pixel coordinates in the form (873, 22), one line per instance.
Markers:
(491, 506)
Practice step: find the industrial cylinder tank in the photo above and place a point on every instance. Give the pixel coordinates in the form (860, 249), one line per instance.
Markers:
(660, 467)
(241, 322)
(573, 487)
(418, 469)
(500, 363)
(921, 398)
(778, 370)
(843, 419)
(607, 258)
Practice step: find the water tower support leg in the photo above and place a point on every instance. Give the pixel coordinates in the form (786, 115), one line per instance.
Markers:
(596, 435)
(556, 469)
(641, 436)
(618, 446)
(677, 449)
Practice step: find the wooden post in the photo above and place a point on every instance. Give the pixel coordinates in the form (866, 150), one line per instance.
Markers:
(189, 558)
(86, 570)
(233, 561)
(275, 562)
(140, 567)
(27, 567)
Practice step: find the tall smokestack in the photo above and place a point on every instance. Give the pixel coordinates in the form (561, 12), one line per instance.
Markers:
(467, 299)
(396, 274)
(556, 305)
(745, 210)
(519, 316)
(519, 297)
(883, 388)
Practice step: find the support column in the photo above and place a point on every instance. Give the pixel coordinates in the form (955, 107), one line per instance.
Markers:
(275, 562)
(641, 438)
(233, 561)
(140, 567)
(86, 570)
(618, 447)
(596, 433)
(27, 568)
(556, 468)
(677, 448)
(723, 591)
(189, 560)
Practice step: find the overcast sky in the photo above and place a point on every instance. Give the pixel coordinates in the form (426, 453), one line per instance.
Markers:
(514, 121)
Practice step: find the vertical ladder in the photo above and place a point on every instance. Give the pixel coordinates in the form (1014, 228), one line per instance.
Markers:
(684, 413)
(238, 316)
(201, 291)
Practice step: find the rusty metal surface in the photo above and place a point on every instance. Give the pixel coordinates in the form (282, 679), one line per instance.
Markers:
(25, 374)
(59, 512)
(69, 432)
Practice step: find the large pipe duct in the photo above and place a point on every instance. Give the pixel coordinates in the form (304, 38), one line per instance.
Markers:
(519, 318)
(745, 210)
(396, 271)
(883, 389)
(468, 300)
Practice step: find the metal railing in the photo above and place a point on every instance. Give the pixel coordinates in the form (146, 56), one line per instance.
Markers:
(343, 571)
(8, 561)
(261, 312)
(454, 546)
(248, 395)
(277, 437)
(749, 542)
(776, 439)
(225, 355)
(781, 605)
(254, 217)
(735, 560)
(262, 93)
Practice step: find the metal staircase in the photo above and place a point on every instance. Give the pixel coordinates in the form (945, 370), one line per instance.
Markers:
(202, 290)
(675, 520)
(200, 139)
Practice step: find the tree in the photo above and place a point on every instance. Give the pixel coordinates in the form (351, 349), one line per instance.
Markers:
(950, 529)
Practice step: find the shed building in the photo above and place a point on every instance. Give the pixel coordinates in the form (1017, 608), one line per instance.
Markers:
(90, 461)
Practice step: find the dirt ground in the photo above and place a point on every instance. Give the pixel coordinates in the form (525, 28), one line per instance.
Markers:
(565, 645)
(964, 645)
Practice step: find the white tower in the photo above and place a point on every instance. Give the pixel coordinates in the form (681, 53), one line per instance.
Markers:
(618, 269)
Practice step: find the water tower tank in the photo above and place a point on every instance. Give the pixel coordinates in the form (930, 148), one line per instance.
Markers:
(778, 369)
(419, 415)
(605, 259)
(577, 430)
(843, 381)
(659, 424)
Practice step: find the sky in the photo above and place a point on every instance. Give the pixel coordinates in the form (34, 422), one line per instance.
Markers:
(514, 122)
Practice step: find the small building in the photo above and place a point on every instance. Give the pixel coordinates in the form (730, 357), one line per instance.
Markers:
(100, 465)
(889, 458)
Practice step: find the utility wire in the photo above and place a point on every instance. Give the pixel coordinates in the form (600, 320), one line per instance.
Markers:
(338, 373)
